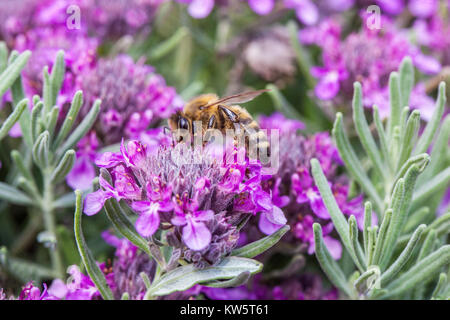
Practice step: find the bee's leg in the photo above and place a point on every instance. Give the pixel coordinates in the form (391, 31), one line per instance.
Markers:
(211, 122)
(166, 130)
(230, 114)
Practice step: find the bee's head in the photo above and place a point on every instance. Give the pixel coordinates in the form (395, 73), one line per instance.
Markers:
(179, 121)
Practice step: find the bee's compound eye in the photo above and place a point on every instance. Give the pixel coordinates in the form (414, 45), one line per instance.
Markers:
(183, 123)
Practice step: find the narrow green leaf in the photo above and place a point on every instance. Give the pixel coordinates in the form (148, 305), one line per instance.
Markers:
(382, 235)
(82, 129)
(234, 282)
(20, 164)
(420, 272)
(432, 125)
(89, 262)
(75, 106)
(395, 103)
(406, 71)
(65, 201)
(3, 56)
(22, 269)
(12, 72)
(426, 249)
(185, 277)
(363, 130)
(439, 286)
(52, 119)
(382, 136)
(367, 223)
(327, 263)
(353, 231)
(57, 76)
(40, 150)
(417, 159)
(12, 118)
(409, 139)
(352, 163)
(427, 190)
(64, 166)
(47, 91)
(339, 221)
(166, 46)
(14, 195)
(403, 257)
(255, 248)
(35, 116)
(371, 245)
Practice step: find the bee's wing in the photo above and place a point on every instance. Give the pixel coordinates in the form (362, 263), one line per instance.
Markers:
(238, 98)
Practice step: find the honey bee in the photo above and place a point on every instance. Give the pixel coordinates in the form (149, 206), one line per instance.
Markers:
(221, 114)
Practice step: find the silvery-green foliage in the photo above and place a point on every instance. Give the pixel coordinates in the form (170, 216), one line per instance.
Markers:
(46, 156)
(403, 254)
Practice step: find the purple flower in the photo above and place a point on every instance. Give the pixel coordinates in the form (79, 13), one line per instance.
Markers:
(367, 56)
(189, 192)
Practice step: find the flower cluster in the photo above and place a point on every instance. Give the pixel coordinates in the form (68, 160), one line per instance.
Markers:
(199, 201)
(367, 56)
(293, 188)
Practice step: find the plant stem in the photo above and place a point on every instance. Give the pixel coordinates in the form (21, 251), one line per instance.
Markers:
(49, 222)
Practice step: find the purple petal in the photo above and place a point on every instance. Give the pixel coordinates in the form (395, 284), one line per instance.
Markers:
(427, 64)
(423, 8)
(58, 289)
(307, 12)
(179, 219)
(94, 202)
(269, 222)
(147, 223)
(200, 9)
(261, 7)
(334, 246)
(196, 235)
(204, 215)
(328, 86)
(82, 174)
(317, 205)
(108, 160)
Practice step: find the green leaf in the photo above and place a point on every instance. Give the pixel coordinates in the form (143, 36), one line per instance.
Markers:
(77, 101)
(363, 130)
(339, 221)
(406, 80)
(14, 195)
(404, 256)
(395, 101)
(52, 119)
(64, 166)
(381, 236)
(65, 201)
(327, 263)
(234, 282)
(420, 272)
(35, 116)
(12, 118)
(124, 226)
(428, 189)
(430, 129)
(409, 138)
(57, 76)
(367, 223)
(353, 231)
(352, 163)
(47, 91)
(439, 286)
(12, 72)
(381, 136)
(185, 277)
(20, 164)
(3, 56)
(40, 150)
(92, 268)
(166, 46)
(255, 248)
(22, 269)
(82, 129)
